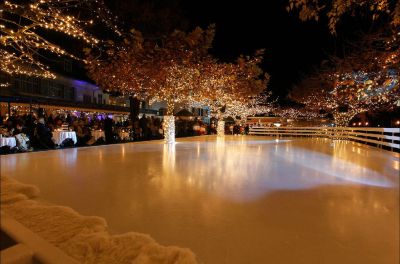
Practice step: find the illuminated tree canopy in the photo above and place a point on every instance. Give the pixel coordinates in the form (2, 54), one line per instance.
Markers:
(25, 27)
(177, 69)
(336, 9)
(366, 76)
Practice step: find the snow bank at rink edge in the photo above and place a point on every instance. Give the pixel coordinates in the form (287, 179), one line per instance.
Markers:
(84, 238)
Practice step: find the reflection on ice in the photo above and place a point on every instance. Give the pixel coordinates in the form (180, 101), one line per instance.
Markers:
(332, 166)
(248, 169)
(236, 168)
(210, 194)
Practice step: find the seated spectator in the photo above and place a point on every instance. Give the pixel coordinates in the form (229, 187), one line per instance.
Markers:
(82, 134)
(9, 127)
(58, 123)
(44, 135)
(18, 128)
(23, 142)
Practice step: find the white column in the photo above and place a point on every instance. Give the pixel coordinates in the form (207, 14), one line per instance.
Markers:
(221, 128)
(169, 129)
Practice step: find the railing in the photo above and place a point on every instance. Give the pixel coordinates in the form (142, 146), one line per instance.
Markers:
(388, 138)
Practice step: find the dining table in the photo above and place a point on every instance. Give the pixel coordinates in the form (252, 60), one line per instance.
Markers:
(60, 136)
(8, 141)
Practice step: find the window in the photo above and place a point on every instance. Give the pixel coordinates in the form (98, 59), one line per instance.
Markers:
(67, 66)
(100, 98)
(29, 85)
(87, 99)
(56, 90)
(51, 88)
(69, 93)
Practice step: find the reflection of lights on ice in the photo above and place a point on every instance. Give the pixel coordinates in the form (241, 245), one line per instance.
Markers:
(169, 156)
(169, 129)
(221, 128)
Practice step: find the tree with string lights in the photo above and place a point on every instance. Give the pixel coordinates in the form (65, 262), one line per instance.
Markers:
(345, 90)
(25, 27)
(166, 69)
(234, 89)
(175, 69)
(365, 77)
(335, 10)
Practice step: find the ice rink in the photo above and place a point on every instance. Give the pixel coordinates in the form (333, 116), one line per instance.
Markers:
(233, 199)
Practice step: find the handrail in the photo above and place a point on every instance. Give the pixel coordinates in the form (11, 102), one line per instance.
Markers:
(377, 136)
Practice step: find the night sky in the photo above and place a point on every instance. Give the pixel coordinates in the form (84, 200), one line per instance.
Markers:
(292, 47)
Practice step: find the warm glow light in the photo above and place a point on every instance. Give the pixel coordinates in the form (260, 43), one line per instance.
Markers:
(22, 45)
(169, 129)
(221, 128)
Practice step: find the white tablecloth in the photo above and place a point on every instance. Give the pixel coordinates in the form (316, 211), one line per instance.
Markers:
(60, 136)
(8, 141)
(98, 134)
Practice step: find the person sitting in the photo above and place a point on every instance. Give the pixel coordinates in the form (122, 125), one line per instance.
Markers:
(18, 128)
(9, 127)
(58, 123)
(44, 135)
(23, 143)
(78, 128)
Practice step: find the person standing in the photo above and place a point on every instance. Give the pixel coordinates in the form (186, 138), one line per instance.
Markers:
(143, 126)
(108, 130)
(246, 129)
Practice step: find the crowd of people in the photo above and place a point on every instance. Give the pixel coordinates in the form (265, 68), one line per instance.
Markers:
(35, 131)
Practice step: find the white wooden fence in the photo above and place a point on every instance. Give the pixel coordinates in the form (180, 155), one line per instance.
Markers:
(388, 138)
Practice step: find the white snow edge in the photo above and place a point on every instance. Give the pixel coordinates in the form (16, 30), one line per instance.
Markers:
(84, 238)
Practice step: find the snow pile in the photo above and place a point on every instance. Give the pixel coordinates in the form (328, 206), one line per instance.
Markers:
(84, 238)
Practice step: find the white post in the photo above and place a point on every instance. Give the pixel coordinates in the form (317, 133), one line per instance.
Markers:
(169, 129)
(221, 128)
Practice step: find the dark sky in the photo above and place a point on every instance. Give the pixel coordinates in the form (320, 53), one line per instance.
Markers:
(292, 47)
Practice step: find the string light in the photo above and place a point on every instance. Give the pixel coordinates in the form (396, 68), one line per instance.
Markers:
(336, 9)
(22, 44)
(221, 127)
(169, 129)
(180, 71)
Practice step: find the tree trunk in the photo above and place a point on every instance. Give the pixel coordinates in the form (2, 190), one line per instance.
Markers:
(170, 107)
(221, 127)
(343, 119)
(169, 123)
(169, 129)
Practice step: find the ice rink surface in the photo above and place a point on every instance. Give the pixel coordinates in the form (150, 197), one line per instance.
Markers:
(233, 199)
